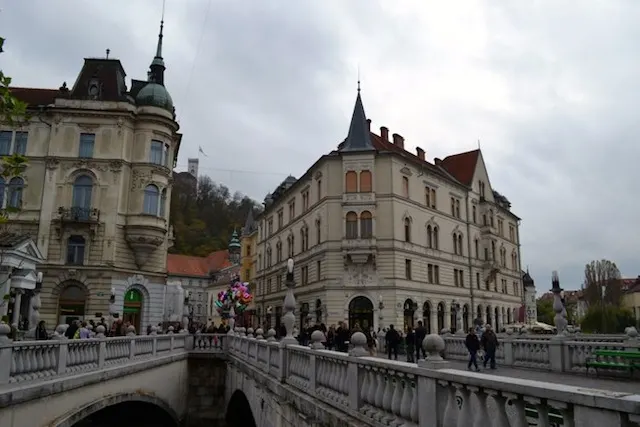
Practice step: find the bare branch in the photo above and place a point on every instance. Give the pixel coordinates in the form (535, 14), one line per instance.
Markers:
(602, 283)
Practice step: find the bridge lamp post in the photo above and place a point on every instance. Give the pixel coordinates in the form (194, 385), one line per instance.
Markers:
(289, 305)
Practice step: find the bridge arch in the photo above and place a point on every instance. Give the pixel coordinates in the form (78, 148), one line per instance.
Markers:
(239, 412)
(75, 419)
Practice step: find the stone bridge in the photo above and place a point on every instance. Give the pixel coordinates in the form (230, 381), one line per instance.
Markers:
(245, 381)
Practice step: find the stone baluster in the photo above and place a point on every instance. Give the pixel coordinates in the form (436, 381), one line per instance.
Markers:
(5, 353)
(131, 331)
(58, 334)
(271, 335)
(259, 334)
(317, 340)
(250, 333)
(154, 330)
(170, 330)
(359, 341)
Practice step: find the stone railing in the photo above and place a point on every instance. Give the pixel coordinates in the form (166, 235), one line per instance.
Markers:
(24, 361)
(558, 353)
(381, 392)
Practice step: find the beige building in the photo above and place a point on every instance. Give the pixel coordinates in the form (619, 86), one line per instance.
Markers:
(97, 191)
(380, 235)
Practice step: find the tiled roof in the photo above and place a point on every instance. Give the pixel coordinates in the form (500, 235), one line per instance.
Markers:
(34, 97)
(187, 265)
(462, 166)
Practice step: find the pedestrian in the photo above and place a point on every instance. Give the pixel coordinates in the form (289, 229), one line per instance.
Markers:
(420, 334)
(393, 341)
(489, 343)
(473, 345)
(410, 341)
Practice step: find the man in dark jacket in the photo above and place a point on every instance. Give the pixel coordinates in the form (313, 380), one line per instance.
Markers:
(490, 344)
(420, 334)
(393, 341)
(342, 337)
(473, 345)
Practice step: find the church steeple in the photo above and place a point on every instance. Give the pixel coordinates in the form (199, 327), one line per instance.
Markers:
(359, 137)
(156, 69)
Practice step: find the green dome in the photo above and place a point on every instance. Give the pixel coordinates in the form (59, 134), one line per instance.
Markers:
(155, 95)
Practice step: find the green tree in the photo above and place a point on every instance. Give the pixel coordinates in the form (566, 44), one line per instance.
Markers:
(13, 112)
(203, 219)
(607, 319)
(545, 310)
(602, 274)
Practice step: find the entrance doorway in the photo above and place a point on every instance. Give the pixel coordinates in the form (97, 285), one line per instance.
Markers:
(132, 309)
(361, 312)
(409, 312)
(71, 304)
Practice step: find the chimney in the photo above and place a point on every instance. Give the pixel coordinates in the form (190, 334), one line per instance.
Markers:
(369, 125)
(384, 133)
(398, 140)
(420, 153)
(437, 161)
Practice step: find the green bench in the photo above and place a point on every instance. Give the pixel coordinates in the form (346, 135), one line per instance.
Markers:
(614, 360)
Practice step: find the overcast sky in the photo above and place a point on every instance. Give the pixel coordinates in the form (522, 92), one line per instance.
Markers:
(550, 88)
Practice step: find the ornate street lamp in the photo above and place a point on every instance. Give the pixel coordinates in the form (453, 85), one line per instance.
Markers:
(289, 305)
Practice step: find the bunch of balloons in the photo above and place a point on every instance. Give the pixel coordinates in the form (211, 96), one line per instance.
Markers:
(237, 295)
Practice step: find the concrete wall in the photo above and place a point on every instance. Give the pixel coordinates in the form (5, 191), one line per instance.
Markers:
(54, 403)
(206, 395)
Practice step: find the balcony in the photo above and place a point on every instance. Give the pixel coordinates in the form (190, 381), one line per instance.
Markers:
(487, 229)
(359, 250)
(77, 217)
(144, 234)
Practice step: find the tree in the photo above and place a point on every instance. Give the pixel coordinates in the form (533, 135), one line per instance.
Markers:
(13, 112)
(598, 274)
(607, 319)
(544, 307)
(203, 219)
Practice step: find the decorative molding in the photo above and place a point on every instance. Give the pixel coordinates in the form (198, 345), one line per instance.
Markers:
(407, 216)
(115, 166)
(85, 164)
(88, 127)
(406, 171)
(318, 175)
(430, 184)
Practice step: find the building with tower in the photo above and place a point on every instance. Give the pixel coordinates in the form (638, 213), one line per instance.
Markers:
(234, 248)
(381, 235)
(530, 315)
(96, 194)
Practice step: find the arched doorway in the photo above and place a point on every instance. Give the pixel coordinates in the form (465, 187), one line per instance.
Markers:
(426, 316)
(239, 411)
(488, 316)
(129, 414)
(440, 317)
(72, 303)
(361, 312)
(132, 308)
(465, 318)
(409, 311)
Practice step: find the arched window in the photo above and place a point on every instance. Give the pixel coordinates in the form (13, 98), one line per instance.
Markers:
(75, 250)
(429, 237)
(436, 238)
(407, 230)
(474, 214)
(163, 202)
(477, 248)
(318, 232)
(278, 251)
(16, 185)
(71, 304)
(493, 251)
(351, 182)
(365, 182)
(405, 186)
(366, 225)
(455, 243)
(3, 187)
(81, 203)
(491, 217)
(460, 250)
(151, 200)
(352, 225)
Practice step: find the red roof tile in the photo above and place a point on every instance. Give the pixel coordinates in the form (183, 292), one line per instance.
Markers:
(462, 166)
(187, 265)
(33, 96)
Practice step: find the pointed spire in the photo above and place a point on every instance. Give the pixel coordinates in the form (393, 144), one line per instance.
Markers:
(249, 225)
(359, 138)
(157, 67)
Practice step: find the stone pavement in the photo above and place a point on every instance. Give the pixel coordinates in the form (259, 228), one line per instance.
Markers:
(622, 385)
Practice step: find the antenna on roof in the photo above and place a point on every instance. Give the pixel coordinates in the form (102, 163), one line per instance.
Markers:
(358, 78)
(108, 52)
(163, 5)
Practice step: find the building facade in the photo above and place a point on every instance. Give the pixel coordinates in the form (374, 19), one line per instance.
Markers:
(96, 194)
(381, 236)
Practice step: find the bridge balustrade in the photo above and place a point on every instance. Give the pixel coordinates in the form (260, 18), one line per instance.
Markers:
(384, 392)
(565, 353)
(23, 361)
